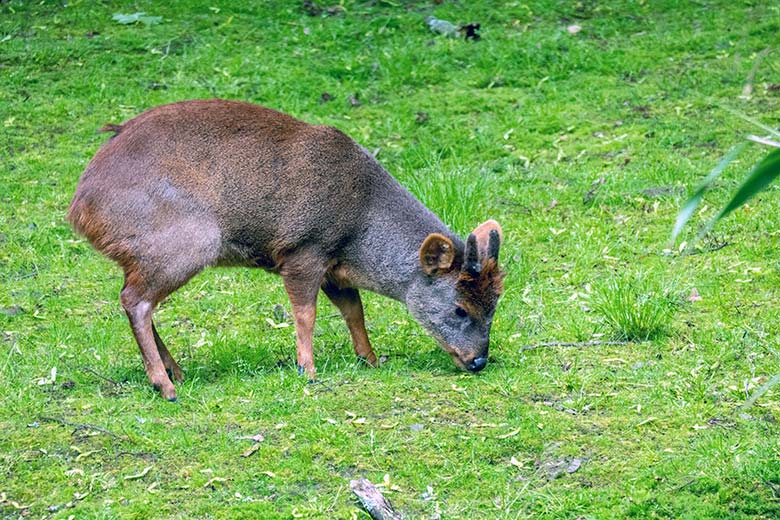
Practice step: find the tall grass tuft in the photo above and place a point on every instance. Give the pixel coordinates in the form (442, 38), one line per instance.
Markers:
(634, 308)
(456, 196)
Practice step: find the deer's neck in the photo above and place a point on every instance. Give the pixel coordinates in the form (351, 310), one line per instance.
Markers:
(385, 258)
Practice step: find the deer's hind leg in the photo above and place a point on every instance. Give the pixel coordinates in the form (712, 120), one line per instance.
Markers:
(163, 261)
(139, 309)
(171, 367)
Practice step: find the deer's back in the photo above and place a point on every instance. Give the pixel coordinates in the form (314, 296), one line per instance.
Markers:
(267, 182)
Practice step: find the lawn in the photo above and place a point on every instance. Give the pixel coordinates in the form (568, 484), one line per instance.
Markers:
(612, 391)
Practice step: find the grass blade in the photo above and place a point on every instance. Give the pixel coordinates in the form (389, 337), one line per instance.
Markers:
(763, 140)
(754, 121)
(761, 391)
(690, 206)
(762, 175)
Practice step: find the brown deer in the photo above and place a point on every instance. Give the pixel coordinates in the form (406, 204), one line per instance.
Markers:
(212, 182)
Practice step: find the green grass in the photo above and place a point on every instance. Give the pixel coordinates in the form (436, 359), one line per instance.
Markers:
(521, 123)
(633, 309)
(457, 195)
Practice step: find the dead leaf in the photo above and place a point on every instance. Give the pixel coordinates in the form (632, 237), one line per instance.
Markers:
(139, 475)
(211, 482)
(256, 438)
(387, 484)
(510, 434)
(251, 450)
(49, 380)
(85, 454)
(275, 325)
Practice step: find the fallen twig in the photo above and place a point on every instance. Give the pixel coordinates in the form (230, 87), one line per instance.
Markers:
(372, 500)
(104, 378)
(685, 484)
(578, 344)
(85, 426)
(698, 251)
(91, 371)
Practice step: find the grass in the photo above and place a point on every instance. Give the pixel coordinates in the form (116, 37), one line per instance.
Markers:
(457, 195)
(634, 309)
(583, 146)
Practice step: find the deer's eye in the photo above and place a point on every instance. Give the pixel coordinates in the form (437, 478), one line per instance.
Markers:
(461, 312)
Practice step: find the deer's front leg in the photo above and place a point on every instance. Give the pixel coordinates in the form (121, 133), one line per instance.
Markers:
(302, 288)
(348, 302)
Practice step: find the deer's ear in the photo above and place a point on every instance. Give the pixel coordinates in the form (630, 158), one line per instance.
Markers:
(487, 245)
(436, 253)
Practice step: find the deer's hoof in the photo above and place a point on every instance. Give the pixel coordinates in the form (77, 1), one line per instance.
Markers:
(166, 390)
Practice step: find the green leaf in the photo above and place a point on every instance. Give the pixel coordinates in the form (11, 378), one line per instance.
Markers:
(690, 206)
(128, 19)
(150, 20)
(762, 175)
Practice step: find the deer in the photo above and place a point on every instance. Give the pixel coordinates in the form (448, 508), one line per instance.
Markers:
(202, 183)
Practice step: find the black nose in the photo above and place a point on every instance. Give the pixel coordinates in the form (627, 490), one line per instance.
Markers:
(478, 364)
